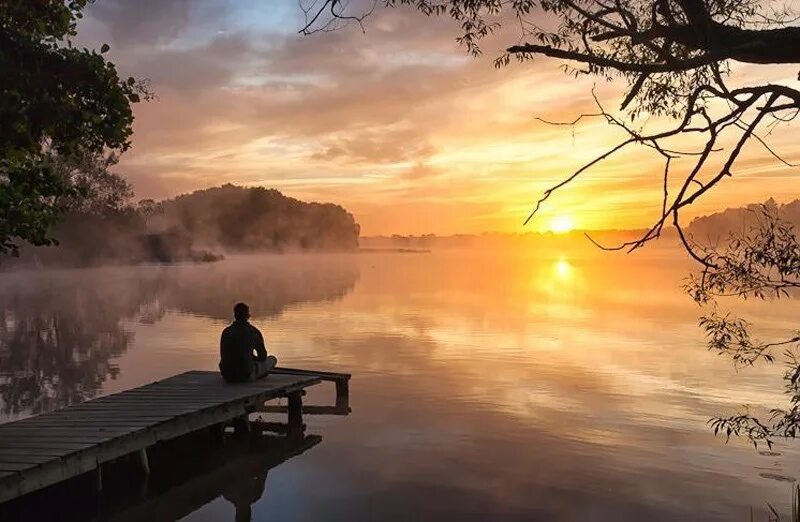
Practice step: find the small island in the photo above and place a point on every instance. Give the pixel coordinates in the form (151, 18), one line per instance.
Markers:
(201, 226)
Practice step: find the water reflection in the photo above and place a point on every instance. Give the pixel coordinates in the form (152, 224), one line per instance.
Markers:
(562, 269)
(60, 332)
(238, 476)
(269, 284)
(489, 385)
(187, 475)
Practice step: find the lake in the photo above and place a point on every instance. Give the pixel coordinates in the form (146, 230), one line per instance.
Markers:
(511, 384)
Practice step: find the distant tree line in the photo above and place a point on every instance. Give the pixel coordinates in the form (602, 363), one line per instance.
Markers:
(104, 225)
(717, 227)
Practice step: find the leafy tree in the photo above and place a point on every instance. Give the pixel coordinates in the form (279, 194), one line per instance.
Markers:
(149, 207)
(98, 205)
(674, 57)
(59, 105)
(101, 191)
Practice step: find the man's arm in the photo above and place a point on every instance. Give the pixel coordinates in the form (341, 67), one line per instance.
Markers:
(261, 349)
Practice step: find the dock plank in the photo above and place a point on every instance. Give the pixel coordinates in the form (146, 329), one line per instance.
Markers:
(91, 418)
(11, 452)
(39, 451)
(15, 466)
(67, 448)
(77, 431)
(24, 458)
(62, 434)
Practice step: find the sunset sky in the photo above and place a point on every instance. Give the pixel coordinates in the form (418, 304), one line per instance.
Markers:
(398, 125)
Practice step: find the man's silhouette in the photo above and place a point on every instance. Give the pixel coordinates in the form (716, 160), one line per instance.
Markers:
(238, 363)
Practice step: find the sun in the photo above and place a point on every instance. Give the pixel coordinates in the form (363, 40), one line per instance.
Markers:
(561, 224)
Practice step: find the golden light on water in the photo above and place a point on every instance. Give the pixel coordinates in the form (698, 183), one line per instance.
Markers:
(561, 224)
(562, 269)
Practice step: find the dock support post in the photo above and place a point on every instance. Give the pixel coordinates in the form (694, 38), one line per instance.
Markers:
(98, 478)
(295, 410)
(241, 425)
(143, 461)
(217, 434)
(342, 393)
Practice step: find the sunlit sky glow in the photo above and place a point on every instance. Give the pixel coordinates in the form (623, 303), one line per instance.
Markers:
(561, 224)
(398, 125)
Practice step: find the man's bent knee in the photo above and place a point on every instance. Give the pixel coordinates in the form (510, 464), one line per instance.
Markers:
(263, 367)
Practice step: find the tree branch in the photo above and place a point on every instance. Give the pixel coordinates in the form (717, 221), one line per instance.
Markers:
(602, 61)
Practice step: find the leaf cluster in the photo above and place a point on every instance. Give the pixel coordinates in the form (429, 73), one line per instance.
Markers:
(760, 261)
(58, 105)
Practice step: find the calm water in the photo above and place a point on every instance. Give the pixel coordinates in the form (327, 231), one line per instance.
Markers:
(509, 385)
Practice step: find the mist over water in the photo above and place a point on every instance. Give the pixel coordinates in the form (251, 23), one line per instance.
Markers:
(506, 384)
(63, 331)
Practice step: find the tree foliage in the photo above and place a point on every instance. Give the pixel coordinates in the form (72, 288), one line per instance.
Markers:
(59, 105)
(761, 261)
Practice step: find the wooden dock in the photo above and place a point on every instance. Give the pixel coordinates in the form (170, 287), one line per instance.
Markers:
(47, 449)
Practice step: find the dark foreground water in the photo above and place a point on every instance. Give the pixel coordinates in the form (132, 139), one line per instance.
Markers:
(487, 386)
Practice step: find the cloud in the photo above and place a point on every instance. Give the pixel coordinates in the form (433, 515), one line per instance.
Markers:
(376, 146)
(420, 171)
(144, 22)
(210, 66)
(398, 112)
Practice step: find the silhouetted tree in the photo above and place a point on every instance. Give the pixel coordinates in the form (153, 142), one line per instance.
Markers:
(58, 105)
(100, 190)
(99, 222)
(674, 56)
(761, 260)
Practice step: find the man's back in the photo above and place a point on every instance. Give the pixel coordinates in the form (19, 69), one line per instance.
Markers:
(236, 346)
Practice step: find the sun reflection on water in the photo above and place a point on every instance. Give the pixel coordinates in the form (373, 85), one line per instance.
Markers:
(562, 269)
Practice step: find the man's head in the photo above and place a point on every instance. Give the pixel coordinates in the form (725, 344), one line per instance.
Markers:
(241, 312)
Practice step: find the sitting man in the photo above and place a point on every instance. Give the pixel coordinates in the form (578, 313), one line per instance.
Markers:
(238, 362)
